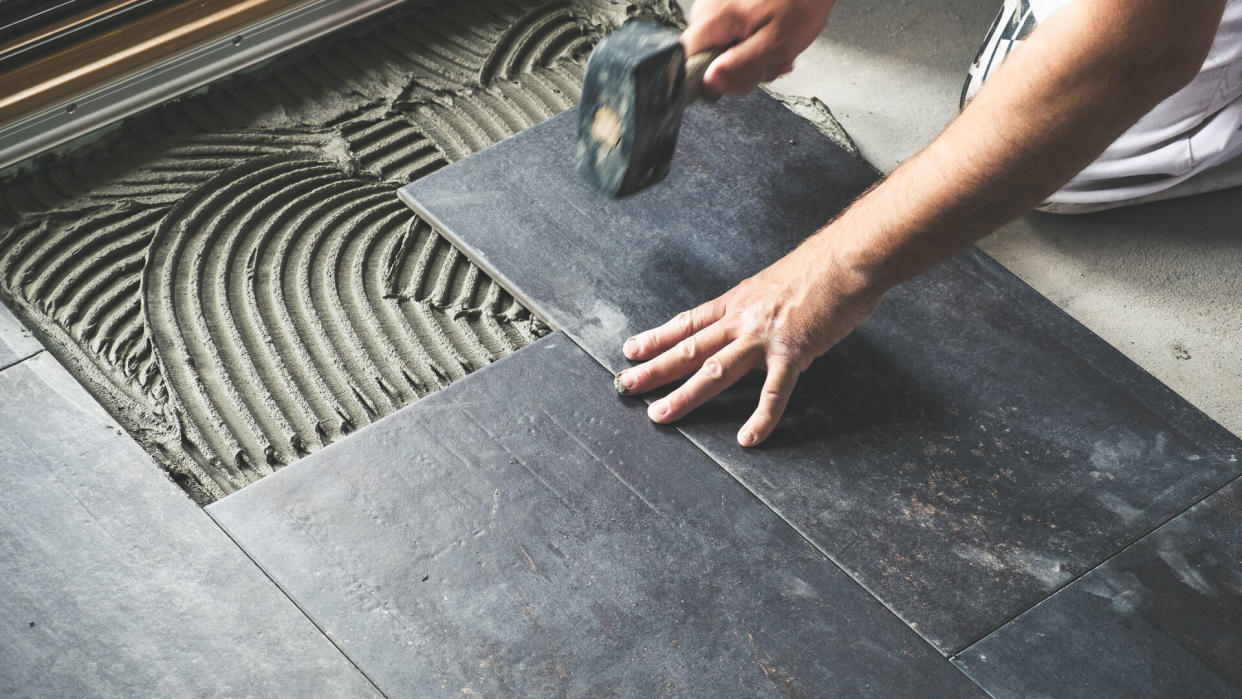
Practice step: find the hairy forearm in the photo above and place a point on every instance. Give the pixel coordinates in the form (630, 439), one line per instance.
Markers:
(1075, 85)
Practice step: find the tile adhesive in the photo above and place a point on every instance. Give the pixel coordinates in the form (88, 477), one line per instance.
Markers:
(232, 275)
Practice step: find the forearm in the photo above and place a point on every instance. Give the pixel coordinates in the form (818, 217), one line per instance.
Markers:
(1053, 107)
(1077, 83)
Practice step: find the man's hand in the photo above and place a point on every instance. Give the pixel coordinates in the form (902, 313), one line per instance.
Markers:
(765, 36)
(778, 320)
(1079, 81)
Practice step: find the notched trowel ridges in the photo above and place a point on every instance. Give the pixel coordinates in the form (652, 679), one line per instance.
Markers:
(232, 274)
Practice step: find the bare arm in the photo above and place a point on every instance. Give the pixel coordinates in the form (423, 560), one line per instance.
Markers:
(1073, 87)
(1077, 82)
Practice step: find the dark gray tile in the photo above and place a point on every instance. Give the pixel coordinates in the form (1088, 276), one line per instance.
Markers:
(112, 583)
(971, 450)
(526, 532)
(1163, 618)
(749, 180)
(16, 342)
(966, 453)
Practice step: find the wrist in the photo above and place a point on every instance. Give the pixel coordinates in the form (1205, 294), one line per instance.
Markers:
(852, 269)
(895, 231)
(837, 269)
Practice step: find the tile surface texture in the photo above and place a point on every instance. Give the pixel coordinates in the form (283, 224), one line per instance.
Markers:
(966, 453)
(526, 532)
(115, 584)
(1158, 281)
(1163, 618)
(738, 196)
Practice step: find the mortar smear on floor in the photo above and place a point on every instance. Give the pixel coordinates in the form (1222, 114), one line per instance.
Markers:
(232, 275)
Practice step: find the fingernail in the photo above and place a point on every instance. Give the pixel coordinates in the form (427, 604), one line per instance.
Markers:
(657, 410)
(630, 347)
(746, 437)
(623, 383)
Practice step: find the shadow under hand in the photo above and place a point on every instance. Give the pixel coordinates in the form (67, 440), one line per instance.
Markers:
(857, 391)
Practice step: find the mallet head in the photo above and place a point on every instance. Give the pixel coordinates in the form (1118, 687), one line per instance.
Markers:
(632, 102)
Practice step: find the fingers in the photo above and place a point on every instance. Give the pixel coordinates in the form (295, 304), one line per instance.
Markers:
(684, 357)
(777, 387)
(740, 69)
(708, 31)
(719, 372)
(653, 342)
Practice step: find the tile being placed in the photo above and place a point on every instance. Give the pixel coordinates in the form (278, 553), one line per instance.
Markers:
(1163, 618)
(749, 180)
(16, 342)
(526, 532)
(966, 453)
(112, 583)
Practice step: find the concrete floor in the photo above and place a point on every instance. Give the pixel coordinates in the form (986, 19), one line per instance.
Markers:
(1160, 282)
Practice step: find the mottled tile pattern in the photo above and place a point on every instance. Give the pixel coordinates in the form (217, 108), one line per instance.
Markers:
(965, 454)
(1162, 619)
(749, 179)
(114, 584)
(525, 532)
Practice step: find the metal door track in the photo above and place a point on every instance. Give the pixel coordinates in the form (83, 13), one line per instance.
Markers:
(69, 119)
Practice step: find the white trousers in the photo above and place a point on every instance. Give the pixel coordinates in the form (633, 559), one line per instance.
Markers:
(1188, 144)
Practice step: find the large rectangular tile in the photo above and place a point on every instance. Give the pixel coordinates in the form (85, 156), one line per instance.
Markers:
(526, 532)
(749, 180)
(964, 454)
(1161, 619)
(972, 449)
(112, 583)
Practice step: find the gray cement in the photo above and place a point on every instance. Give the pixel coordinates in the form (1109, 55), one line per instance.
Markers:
(965, 453)
(1159, 282)
(232, 274)
(16, 341)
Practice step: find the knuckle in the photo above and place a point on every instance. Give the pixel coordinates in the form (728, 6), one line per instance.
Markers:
(713, 369)
(770, 397)
(786, 347)
(732, 70)
(755, 339)
(687, 348)
(650, 372)
(784, 368)
(685, 321)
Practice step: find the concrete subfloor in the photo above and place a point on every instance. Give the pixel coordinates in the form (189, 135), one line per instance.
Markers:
(1159, 281)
